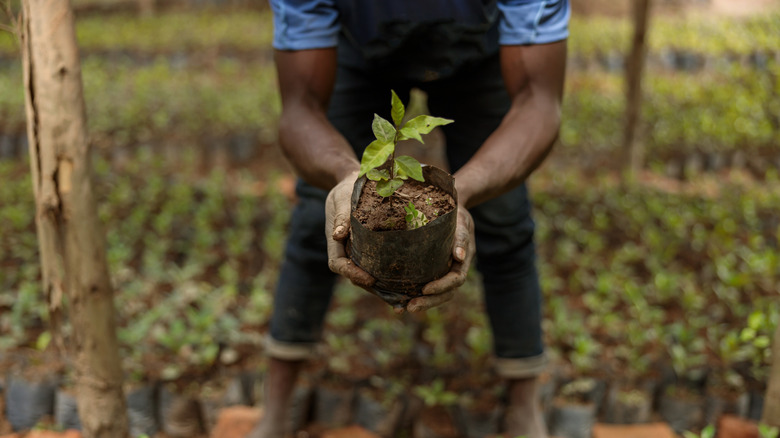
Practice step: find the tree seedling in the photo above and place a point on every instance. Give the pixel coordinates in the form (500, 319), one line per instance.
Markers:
(707, 432)
(414, 217)
(435, 394)
(382, 149)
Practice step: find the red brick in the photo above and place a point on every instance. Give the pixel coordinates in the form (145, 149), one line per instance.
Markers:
(236, 422)
(730, 426)
(46, 434)
(350, 432)
(651, 430)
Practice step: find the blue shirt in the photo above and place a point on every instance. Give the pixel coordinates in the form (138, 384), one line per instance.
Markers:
(437, 35)
(314, 24)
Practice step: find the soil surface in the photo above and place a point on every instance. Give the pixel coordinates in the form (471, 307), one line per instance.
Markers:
(384, 214)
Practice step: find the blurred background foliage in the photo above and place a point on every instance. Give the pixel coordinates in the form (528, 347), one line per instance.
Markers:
(682, 269)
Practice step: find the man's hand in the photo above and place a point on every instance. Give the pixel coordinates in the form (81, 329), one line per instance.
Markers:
(442, 290)
(337, 214)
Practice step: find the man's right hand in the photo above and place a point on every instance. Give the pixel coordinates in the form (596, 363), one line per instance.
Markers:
(337, 216)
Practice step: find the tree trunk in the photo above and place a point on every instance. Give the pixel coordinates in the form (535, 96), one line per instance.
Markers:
(633, 149)
(72, 245)
(771, 414)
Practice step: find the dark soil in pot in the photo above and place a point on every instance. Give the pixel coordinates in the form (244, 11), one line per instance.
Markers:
(435, 422)
(628, 405)
(387, 214)
(403, 261)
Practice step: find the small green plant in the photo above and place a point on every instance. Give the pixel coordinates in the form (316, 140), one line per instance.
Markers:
(388, 180)
(707, 432)
(765, 431)
(414, 217)
(435, 394)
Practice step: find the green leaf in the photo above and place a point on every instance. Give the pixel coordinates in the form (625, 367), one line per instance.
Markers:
(421, 125)
(756, 320)
(383, 130)
(43, 340)
(375, 155)
(406, 166)
(414, 218)
(398, 111)
(378, 175)
(387, 188)
(762, 341)
(747, 334)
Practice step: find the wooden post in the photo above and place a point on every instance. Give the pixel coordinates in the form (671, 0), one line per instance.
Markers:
(634, 150)
(771, 414)
(72, 244)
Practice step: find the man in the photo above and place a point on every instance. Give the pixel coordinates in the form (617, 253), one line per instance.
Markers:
(497, 69)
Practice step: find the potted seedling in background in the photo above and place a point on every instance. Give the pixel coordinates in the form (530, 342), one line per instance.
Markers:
(436, 419)
(682, 400)
(403, 213)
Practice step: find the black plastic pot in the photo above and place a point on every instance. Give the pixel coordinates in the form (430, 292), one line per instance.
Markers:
(333, 405)
(756, 405)
(404, 261)
(628, 406)
(66, 413)
(715, 406)
(381, 418)
(572, 420)
(27, 402)
(478, 423)
(142, 410)
(682, 412)
(180, 415)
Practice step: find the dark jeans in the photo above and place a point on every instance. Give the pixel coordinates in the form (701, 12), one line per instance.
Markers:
(476, 99)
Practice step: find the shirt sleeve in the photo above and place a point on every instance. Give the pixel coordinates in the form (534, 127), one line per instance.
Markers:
(305, 24)
(524, 22)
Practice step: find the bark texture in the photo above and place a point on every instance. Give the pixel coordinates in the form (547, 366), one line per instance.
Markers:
(72, 244)
(771, 414)
(635, 64)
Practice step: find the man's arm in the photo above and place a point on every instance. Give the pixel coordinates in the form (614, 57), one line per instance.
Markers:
(534, 77)
(319, 153)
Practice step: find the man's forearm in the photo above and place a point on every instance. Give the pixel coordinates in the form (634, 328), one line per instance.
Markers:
(512, 152)
(319, 154)
(533, 76)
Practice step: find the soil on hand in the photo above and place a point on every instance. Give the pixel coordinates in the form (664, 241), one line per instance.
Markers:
(384, 214)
